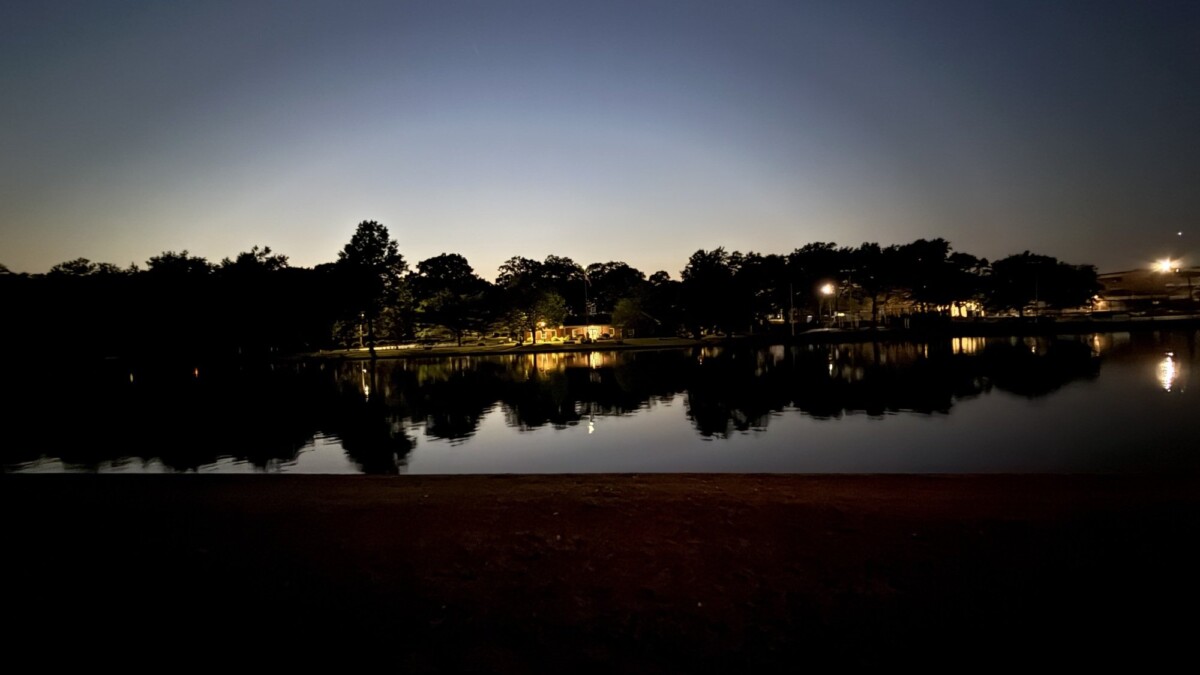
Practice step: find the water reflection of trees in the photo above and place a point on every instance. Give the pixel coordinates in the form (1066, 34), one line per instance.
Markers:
(363, 414)
(448, 397)
(184, 416)
(727, 389)
(739, 390)
(1034, 368)
(190, 417)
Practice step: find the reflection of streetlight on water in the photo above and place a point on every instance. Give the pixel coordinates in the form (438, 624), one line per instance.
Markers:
(1168, 372)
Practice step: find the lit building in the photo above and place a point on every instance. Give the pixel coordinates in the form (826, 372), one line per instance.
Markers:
(600, 328)
(1160, 287)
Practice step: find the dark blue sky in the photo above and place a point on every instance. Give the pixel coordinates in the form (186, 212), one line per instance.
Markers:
(636, 131)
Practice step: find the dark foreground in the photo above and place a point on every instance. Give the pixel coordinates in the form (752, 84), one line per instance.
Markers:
(636, 574)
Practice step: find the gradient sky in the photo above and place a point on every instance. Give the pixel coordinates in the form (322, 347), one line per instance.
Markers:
(636, 131)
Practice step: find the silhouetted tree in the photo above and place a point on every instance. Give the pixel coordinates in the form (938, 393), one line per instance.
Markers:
(762, 280)
(449, 294)
(631, 315)
(711, 300)
(530, 292)
(177, 307)
(923, 271)
(662, 301)
(563, 276)
(1026, 279)
(254, 261)
(518, 272)
(610, 282)
(372, 267)
(968, 276)
(878, 274)
(178, 265)
(812, 266)
(82, 267)
(256, 313)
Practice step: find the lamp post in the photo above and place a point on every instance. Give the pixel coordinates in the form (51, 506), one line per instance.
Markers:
(587, 310)
(827, 290)
(791, 310)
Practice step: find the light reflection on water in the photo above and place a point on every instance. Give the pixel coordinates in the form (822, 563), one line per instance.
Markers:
(1169, 375)
(1104, 402)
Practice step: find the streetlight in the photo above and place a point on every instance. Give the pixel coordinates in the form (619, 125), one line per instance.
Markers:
(1166, 265)
(827, 290)
(587, 310)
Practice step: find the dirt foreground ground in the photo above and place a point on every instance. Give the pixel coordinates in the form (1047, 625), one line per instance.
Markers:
(603, 573)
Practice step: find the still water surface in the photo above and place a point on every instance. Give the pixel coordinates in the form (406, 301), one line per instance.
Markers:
(1116, 402)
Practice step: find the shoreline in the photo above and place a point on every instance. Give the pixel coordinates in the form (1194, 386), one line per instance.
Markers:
(649, 573)
(1030, 327)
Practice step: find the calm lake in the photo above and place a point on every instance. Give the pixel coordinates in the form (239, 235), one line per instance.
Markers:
(1119, 402)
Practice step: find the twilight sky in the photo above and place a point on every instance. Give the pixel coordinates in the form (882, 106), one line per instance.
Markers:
(636, 131)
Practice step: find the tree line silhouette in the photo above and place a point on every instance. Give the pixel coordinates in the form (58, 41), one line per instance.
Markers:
(256, 303)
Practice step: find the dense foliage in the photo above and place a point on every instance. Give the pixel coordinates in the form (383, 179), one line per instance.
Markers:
(256, 303)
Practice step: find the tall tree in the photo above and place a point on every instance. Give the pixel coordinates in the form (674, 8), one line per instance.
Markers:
(877, 273)
(564, 277)
(967, 277)
(170, 263)
(179, 304)
(762, 281)
(661, 302)
(257, 316)
(531, 291)
(711, 299)
(449, 294)
(372, 269)
(925, 272)
(254, 261)
(631, 315)
(519, 271)
(812, 266)
(609, 282)
(1027, 279)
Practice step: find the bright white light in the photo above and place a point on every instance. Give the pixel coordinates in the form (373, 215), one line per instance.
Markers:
(1164, 265)
(1167, 372)
(827, 289)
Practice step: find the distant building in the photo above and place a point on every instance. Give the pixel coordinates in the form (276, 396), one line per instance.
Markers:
(1148, 289)
(577, 328)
